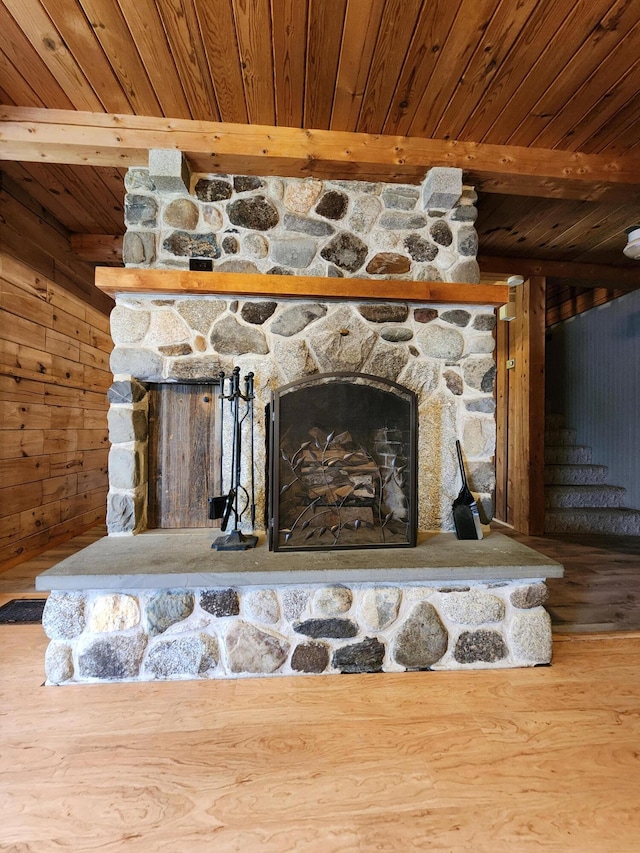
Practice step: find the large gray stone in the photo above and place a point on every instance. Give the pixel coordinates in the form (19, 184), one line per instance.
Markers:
(441, 188)
(205, 368)
(326, 628)
(387, 361)
(58, 663)
(257, 313)
(305, 225)
(341, 342)
(237, 265)
(126, 425)
(165, 609)
(466, 272)
(397, 221)
(396, 334)
(126, 391)
(367, 656)
(366, 209)
(138, 179)
(124, 512)
(484, 322)
(400, 197)
(465, 213)
(296, 252)
(255, 213)
(472, 608)
(124, 468)
(467, 242)
(262, 605)
(332, 600)
(422, 639)
(345, 251)
(481, 646)
(127, 326)
(482, 476)
(421, 377)
(230, 337)
(480, 373)
(379, 607)
(141, 210)
(482, 404)
(140, 363)
(293, 359)
(251, 650)
(182, 656)
(64, 615)
(111, 659)
(139, 247)
(457, 317)
(201, 313)
(440, 342)
(530, 635)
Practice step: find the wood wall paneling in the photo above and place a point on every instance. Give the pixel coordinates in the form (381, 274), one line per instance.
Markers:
(54, 437)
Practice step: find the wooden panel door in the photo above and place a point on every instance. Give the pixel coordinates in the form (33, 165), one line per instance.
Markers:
(183, 454)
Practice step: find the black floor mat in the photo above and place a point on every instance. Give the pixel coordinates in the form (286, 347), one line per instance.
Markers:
(22, 611)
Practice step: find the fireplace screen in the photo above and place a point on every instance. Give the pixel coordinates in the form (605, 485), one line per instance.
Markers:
(342, 464)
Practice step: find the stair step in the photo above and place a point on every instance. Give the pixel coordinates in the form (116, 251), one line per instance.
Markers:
(554, 421)
(560, 436)
(578, 475)
(571, 496)
(618, 522)
(571, 454)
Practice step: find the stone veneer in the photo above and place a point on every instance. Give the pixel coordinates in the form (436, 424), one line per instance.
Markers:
(289, 630)
(305, 226)
(442, 353)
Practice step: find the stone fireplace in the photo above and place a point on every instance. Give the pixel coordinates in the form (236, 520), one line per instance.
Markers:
(172, 608)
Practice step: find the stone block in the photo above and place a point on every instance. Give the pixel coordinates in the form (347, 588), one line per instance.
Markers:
(139, 247)
(442, 188)
(530, 635)
(126, 391)
(441, 342)
(296, 252)
(422, 639)
(133, 361)
(262, 605)
(332, 600)
(124, 512)
(251, 650)
(114, 612)
(310, 657)
(126, 424)
(220, 602)
(112, 659)
(64, 615)
(481, 646)
(169, 170)
(140, 210)
(124, 468)
(165, 609)
(58, 663)
(367, 656)
(528, 597)
(128, 326)
(472, 608)
(182, 656)
(379, 607)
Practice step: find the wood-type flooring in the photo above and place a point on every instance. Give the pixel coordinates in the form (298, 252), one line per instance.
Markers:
(541, 759)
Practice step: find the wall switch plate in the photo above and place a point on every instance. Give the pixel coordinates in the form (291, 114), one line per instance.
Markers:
(201, 264)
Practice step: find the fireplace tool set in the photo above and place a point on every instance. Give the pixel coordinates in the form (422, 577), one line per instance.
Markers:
(238, 499)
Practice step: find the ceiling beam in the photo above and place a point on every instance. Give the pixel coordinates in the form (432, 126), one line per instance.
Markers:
(590, 275)
(97, 139)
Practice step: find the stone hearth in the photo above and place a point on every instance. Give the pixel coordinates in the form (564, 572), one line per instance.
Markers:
(164, 606)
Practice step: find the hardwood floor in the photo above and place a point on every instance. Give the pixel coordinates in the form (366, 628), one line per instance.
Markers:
(512, 760)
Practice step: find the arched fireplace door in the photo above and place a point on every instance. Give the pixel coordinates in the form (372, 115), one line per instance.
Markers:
(342, 464)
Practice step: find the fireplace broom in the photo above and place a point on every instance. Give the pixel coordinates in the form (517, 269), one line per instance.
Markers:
(466, 517)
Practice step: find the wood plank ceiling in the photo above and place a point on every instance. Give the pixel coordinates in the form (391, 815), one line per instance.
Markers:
(532, 73)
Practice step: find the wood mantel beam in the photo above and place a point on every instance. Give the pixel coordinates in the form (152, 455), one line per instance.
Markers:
(99, 139)
(589, 275)
(113, 281)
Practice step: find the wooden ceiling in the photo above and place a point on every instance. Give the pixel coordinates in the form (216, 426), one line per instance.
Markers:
(543, 75)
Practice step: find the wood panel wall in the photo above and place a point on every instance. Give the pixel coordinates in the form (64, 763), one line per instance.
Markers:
(54, 375)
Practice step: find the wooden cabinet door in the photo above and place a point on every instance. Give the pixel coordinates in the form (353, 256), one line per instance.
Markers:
(183, 454)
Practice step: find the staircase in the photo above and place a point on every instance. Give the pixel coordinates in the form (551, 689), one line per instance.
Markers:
(577, 496)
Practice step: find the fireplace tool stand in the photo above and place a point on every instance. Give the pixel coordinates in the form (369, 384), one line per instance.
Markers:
(238, 499)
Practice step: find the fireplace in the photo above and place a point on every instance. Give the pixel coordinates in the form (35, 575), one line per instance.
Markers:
(342, 451)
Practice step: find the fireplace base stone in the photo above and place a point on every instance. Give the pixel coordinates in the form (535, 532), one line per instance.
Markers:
(190, 614)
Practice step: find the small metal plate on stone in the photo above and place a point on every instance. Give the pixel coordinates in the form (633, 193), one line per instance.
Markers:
(22, 611)
(201, 264)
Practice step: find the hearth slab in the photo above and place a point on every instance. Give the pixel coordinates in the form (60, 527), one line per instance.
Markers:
(184, 559)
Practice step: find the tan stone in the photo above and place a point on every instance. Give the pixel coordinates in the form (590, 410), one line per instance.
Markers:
(114, 612)
(479, 437)
(166, 328)
(212, 216)
(332, 600)
(300, 196)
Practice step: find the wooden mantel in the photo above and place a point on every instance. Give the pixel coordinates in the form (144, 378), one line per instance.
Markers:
(116, 280)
